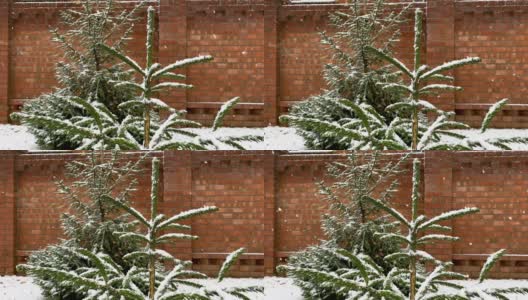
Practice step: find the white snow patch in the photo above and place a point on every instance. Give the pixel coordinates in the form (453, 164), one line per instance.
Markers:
(13, 137)
(282, 138)
(17, 287)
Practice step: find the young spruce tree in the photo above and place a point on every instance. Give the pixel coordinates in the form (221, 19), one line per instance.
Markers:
(410, 122)
(86, 71)
(365, 279)
(92, 222)
(139, 124)
(353, 74)
(351, 222)
(105, 279)
(412, 129)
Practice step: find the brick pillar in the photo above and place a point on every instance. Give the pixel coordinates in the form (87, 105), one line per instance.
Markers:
(438, 195)
(172, 44)
(4, 60)
(440, 42)
(7, 213)
(271, 62)
(177, 185)
(269, 212)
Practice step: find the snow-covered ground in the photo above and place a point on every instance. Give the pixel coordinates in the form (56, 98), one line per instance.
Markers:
(22, 288)
(13, 137)
(17, 287)
(275, 288)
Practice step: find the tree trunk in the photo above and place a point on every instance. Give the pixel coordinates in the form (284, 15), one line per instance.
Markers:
(412, 269)
(415, 130)
(152, 277)
(146, 140)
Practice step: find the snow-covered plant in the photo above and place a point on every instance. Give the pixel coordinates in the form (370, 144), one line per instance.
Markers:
(364, 279)
(104, 279)
(98, 129)
(481, 142)
(359, 277)
(410, 122)
(420, 231)
(102, 130)
(155, 227)
(137, 124)
(417, 231)
(86, 71)
(155, 78)
(92, 222)
(408, 279)
(412, 110)
(353, 74)
(351, 223)
(413, 125)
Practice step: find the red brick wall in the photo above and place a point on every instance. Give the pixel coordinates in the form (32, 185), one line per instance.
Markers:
(32, 54)
(237, 189)
(497, 184)
(301, 57)
(236, 42)
(268, 52)
(269, 204)
(494, 32)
